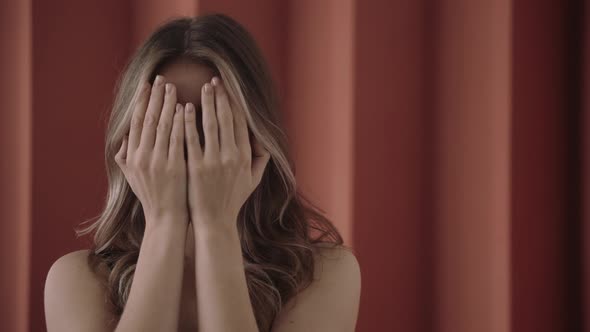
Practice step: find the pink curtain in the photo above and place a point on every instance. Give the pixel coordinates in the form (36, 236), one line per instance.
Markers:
(447, 140)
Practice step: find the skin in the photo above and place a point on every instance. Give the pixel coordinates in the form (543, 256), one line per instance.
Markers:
(188, 79)
(221, 173)
(191, 230)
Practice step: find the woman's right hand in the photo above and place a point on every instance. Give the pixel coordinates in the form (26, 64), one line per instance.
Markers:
(152, 156)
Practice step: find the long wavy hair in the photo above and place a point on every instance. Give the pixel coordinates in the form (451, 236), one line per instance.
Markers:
(280, 230)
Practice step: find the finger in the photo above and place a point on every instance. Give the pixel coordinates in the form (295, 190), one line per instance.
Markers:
(176, 149)
(152, 115)
(259, 161)
(241, 131)
(139, 104)
(166, 121)
(210, 126)
(121, 156)
(191, 136)
(225, 119)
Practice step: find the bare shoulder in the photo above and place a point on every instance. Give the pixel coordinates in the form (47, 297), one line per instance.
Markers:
(74, 296)
(75, 261)
(336, 259)
(331, 302)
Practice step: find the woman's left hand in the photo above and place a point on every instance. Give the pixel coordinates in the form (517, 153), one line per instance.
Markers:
(223, 176)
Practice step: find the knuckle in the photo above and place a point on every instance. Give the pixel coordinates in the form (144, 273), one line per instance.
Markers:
(150, 119)
(137, 122)
(229, 161)
(226, 116)
(198, 166)
(243, 160)
(211, 164)
(164, 126)
(141, 96)
(191, 136)
(141, 164)
(210, 125)
(146, 89)
(233, 152)
(175, 140)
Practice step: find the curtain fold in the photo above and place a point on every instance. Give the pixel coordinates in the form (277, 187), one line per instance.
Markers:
(585, 159)
(448, 140)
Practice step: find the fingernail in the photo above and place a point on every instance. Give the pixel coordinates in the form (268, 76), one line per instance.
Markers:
(207, 87)
(158, 80)
(178, 108)
(189, 107)
(215, 80)
(168, 87)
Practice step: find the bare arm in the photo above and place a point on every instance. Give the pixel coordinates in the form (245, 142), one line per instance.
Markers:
(75, 299)
(220, 180)
(223, 300)
(153, 163)
(154, 298)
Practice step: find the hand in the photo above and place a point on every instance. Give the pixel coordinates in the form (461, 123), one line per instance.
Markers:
(222, 177)
(152, 157)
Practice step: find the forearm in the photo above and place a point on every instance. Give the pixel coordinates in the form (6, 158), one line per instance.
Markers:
(223, 299)
(154, 298)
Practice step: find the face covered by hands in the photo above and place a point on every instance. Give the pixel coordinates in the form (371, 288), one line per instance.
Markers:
(223, 174)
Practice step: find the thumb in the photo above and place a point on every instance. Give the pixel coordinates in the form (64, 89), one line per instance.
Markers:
(260, 159)
(121, 156)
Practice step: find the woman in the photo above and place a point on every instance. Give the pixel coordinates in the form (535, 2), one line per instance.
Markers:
(203, 228)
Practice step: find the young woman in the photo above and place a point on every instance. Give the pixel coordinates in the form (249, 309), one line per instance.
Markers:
(204, 228)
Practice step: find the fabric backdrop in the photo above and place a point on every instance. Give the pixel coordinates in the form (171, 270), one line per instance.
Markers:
(448, 140)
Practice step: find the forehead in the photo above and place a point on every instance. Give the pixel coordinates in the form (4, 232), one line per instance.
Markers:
(188, 77)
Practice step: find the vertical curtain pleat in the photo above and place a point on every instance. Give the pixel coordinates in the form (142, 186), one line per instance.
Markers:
(448, 140)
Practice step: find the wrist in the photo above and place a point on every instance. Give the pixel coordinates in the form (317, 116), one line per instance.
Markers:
(215, 225)
(166, 222)
(164, 237)
(166, 213)
(213, 220)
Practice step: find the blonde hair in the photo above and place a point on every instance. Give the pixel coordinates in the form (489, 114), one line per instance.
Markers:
(276, 222)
